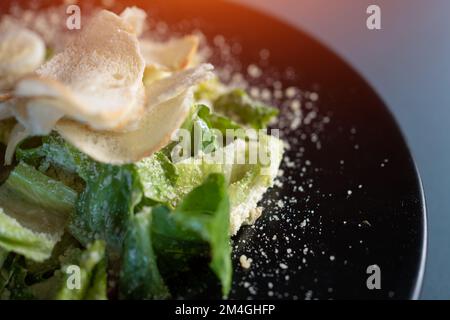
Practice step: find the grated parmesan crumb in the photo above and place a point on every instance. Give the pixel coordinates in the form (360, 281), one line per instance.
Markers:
(245, 262)
(283, 266)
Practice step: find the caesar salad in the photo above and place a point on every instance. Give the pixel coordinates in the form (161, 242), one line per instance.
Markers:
(128, 163)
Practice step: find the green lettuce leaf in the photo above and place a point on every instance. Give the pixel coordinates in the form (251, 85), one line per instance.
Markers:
(3, 256)
(15, 237)
(140, 277)
(6, 273)
(167, 183)
(203, 137)
(209, 90)
(175, 244)
(158, 237)
(215, 121)
(158, 176)
(12, 280)
(55, 151)
(37, 201)
(93, 281)
(105, 206)
(246, 182)
(183, 256)
(205, 212)
(39, 271)
(238, 105)
(46, 279)
(25, 279)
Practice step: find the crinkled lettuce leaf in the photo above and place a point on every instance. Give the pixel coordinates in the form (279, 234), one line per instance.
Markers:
(247, 182)
(174, 244)
(33, 213)
(171, 239)
(205, 211)
(209, 90)
(105, 206)
(166, 182)
(158, 176)
(93, 281)
(250, 182)
(81, 276)
(220, 127)
(12, 280)
(6, 272)
(39, 271)
(37, 201)
(239, 106)
(3, 256)
(22, 278)
(140, 277)
(17, 238)
(215, 121)
(202, 134)
(183, 208)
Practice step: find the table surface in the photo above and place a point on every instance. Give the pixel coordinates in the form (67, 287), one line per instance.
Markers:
(408, 64)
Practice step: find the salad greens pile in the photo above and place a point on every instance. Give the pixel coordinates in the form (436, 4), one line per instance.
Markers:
(75, 228)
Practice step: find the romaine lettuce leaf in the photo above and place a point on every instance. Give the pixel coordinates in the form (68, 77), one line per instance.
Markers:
(183, 256)
(105, 206)
(6, 272)
(15, 237)
(140, 277)
(220, 125)
(158, 176)
(39, 271)
(196, 229)
(93, 281)
(247, 182)
(3, 256)
(238, 105)
(17, 281)
(37, 201)
(55, 151)
(12, 280)
(218, 122)
(46, 279)
(203, 137)
(209, 90)
(205, 211)
(175, 244)
(165, 182)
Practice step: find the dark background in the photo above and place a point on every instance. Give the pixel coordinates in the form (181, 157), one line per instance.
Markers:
(408, 63)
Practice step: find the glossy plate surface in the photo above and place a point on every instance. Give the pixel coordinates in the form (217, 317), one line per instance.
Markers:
(350, 196)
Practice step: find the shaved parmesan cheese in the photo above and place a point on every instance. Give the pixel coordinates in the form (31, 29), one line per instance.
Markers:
(176, 54)
(135, 17)
(167, 88)
(154, 132)
(172, 86)
(21, 51)
(5, 97)
(93, 92)
(5, 112)
(97, 79)
(18, 134)
(37, 116)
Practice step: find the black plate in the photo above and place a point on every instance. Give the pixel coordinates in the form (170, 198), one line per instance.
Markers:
(350, 197)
